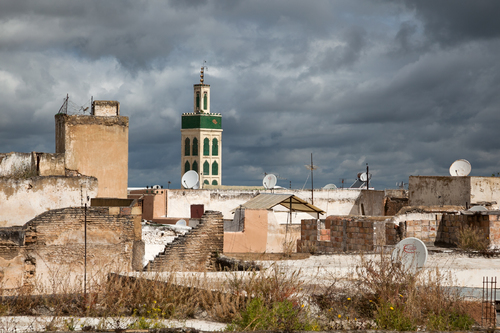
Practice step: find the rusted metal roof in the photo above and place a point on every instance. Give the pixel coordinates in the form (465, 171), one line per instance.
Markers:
(268, 201)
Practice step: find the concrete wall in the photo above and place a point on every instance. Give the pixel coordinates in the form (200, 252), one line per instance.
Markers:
(437, 190)
(25, 165)
(334, 202)
(253, 238)
(106, 108)
(262, 233)
(52, 244)
(47, 164)
(14, 164)
(485, 191)
(23, 199)
(98, 147)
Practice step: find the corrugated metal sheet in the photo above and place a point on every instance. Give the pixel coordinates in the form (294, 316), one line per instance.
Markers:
(268, 201)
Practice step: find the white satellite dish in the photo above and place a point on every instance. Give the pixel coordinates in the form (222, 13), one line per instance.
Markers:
(269, 181)
(478, 209)
(363, 177)
(190, 179)
(411, 253)
(181, 222)
(330, 187)
(460, 168)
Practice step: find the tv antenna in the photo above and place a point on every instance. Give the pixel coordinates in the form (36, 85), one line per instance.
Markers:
(312, 167)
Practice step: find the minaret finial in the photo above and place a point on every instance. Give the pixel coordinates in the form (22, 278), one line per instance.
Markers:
(203, 68)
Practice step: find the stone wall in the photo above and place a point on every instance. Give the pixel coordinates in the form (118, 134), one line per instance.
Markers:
(195, 251)
(53, 244)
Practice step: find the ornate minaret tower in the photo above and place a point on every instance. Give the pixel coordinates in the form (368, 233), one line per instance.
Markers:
(201, 131)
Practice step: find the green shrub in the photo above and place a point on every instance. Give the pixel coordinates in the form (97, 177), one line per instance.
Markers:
(281, 316)
(393, 317)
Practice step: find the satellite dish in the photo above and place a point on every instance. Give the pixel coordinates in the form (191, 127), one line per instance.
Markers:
(197, 185)
(460, 168)
(330, 187)
(363, 177)
(181, 222)
(269, 181)
(411, 253)
(190, 179)
(478, 209)
(156, 187)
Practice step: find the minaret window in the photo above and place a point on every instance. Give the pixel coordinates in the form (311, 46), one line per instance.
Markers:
(206, 169)
(186, 167)
(187, 147)
(215, 169)
(215, 147)
(206, 147)
(195, 166)
(205, 101)
(195, 147)
(214, 182)
(197, 100)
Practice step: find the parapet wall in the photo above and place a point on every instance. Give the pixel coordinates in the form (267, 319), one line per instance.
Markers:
(22, 199)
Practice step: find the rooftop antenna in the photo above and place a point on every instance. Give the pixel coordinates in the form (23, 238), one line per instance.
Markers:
(312, 167)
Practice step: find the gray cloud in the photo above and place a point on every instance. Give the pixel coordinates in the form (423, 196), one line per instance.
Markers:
(406, 87)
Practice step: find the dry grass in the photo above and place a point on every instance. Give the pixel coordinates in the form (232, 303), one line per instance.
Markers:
(471, 238)
(383, 296)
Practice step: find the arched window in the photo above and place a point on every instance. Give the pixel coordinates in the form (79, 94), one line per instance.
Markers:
(187, 147)
(205, 101)
(215, 147)
(186, 167)
(206, 168)
(206, 182)
(195, 166)
(197, 100)
(214, 182)
(195, 147)
(206, 147)
(215, 169)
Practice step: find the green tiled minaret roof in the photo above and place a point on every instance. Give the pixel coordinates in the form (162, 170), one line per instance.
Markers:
(202, 120)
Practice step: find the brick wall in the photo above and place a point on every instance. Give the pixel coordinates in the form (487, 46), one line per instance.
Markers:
(195, 251)
(346, 233)
(426, 230)
(444, 228)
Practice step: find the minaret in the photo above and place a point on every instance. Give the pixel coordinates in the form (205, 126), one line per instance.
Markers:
(201, 143)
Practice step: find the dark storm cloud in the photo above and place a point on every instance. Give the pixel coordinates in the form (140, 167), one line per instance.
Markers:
(406, 87)
(449, 22)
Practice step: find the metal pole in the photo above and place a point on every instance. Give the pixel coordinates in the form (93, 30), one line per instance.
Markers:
(367, 177)
(85, 255)
(312, 181)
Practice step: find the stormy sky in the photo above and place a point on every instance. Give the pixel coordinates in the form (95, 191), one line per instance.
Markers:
(405, 86)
